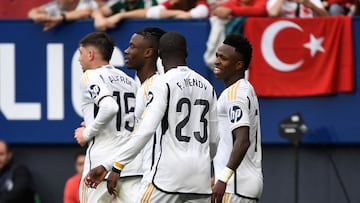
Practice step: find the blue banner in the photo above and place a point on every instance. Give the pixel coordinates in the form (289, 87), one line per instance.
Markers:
(39, 84)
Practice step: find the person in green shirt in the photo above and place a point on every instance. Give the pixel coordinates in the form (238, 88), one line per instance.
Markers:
(112, 7)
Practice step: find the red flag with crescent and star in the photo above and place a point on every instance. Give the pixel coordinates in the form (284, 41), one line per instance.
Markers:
(301, 57)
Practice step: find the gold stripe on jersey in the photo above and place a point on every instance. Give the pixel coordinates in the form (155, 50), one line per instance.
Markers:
(85, 78)
(147, 85)
(84, 194)
(226, 197)
(232, 91)
(143, 115)
(148, 192)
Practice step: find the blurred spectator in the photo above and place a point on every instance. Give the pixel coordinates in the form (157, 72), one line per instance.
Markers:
(71, 189)
(15, 180)
(180, 9)
(235, 8)
(101, 2)
(228, 17)
(355, 11)
(57, 11)
(116, 6)
(295, 8)
(339, 7)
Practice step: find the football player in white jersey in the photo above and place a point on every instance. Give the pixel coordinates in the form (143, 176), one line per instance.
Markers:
(108, 104)
(142, 55)
(237, 164)
(184, 104)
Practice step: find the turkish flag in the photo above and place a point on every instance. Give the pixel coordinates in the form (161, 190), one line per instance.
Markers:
(301, 57)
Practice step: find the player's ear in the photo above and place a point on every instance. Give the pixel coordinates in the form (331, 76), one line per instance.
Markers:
(239, 65)
(149, 52)
(90, 54)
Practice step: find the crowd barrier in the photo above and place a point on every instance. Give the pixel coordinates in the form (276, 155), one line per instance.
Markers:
(39, 84)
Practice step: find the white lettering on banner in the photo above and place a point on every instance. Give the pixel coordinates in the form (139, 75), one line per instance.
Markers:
(13, 110)
(117, 59)
(8, 105)
(55, 81)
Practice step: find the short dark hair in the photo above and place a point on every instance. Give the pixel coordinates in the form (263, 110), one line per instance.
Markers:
(152, 34)
(241, 45)
(172, 43)
(100, 40)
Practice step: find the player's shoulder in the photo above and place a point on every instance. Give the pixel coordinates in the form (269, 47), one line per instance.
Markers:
(87, 76)
(203, 79)
(93, 74)
(240, 89)
(122, 73)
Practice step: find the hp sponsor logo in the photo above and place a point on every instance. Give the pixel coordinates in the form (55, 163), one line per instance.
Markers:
(235, 114)
(94, 91)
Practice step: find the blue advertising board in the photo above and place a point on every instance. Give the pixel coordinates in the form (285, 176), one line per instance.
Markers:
(39, 84)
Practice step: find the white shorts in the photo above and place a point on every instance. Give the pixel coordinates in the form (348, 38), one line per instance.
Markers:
(151, 195)
(127, 188)
(232, 198)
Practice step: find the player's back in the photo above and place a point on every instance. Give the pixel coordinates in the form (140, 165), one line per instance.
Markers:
(102, 82)
(185, 145)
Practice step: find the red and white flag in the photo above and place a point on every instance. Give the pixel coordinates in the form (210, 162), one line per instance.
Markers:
(301, 57)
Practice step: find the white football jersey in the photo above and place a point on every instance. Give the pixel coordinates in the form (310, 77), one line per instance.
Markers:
(97, 84)
(238, 106)
(150, 151)
(183, 103)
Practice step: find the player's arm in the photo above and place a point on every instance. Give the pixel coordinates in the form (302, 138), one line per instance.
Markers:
(144, 131)
(213, 124)
(240, 129)
(107, 110)
(241, 145)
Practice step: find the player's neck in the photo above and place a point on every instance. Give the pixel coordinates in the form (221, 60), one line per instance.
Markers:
(99, 64)
(232, 80)
(145, 73)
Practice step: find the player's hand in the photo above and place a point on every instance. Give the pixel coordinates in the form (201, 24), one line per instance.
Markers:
(78, 135)
(95, 176)
(218, 192)
(112, 182)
